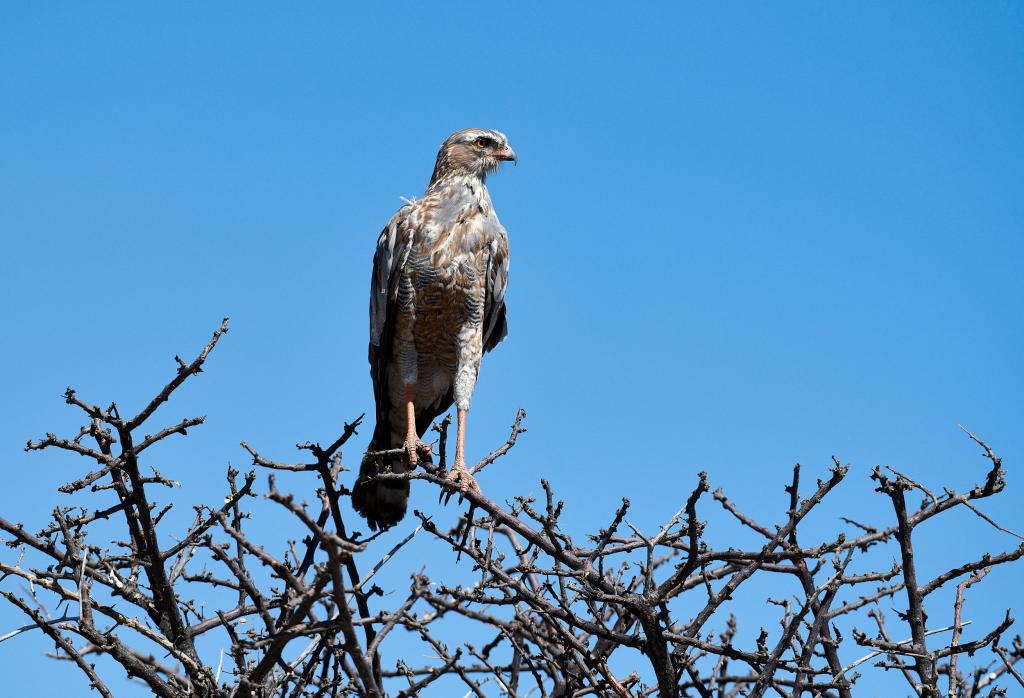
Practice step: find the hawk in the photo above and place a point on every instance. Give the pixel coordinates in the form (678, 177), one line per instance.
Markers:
(437, 304)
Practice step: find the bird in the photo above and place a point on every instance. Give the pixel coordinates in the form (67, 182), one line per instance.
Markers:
(437, 304)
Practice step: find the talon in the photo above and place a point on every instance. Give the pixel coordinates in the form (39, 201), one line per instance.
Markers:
(415, 449)
(460, 476)
(411, 457)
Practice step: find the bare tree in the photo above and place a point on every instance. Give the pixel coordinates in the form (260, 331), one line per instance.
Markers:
(307, 618)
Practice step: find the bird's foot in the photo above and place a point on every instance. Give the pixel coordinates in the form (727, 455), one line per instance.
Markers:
(414, 449)
(460, 477)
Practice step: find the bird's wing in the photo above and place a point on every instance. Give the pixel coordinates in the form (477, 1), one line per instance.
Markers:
(495, 324)
(393, 248)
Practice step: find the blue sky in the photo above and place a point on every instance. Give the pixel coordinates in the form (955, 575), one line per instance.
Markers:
(743, 235)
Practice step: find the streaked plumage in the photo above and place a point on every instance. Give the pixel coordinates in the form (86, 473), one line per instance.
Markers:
(437, 303)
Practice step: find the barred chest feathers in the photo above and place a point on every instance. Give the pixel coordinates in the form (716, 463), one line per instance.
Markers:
(444, 291)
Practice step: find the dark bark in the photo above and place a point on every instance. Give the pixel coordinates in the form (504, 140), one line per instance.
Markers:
(556, 605)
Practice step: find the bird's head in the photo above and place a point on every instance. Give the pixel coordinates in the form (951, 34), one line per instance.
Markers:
(472, 151)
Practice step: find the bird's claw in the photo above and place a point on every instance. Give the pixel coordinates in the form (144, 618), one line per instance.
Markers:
(459, 478)
(413, 449)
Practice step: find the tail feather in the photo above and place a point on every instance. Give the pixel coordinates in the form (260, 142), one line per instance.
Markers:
(381, 502)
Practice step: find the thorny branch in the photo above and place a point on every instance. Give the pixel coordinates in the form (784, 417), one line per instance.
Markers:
(552, 613)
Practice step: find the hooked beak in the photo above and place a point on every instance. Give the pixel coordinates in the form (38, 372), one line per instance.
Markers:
(506, 153)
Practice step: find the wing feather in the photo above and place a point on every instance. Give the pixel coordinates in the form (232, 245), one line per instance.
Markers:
(393, 248)
(495, 322)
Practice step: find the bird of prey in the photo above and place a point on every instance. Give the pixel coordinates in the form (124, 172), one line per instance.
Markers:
(437, 304)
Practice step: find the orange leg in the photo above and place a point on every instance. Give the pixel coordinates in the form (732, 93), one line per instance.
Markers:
(459, 473)
(411, 439)
(413, 445)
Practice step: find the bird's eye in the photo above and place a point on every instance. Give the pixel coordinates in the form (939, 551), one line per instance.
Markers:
(481, 142)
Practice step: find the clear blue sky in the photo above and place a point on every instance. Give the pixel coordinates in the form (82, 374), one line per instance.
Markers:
(743, 235)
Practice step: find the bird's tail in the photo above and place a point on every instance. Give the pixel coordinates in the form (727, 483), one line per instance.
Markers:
(381, 502)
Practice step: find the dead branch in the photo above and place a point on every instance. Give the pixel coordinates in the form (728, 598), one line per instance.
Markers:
(549, 605)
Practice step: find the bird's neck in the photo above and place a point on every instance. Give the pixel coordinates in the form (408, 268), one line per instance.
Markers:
(448, 180)
(470, 187)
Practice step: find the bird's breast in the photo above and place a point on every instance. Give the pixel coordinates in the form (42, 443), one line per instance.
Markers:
(447, 274)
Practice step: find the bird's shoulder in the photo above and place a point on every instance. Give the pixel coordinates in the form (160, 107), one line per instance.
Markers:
(458, 218)
(403, 224)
